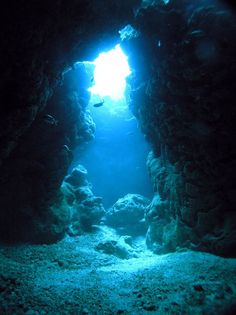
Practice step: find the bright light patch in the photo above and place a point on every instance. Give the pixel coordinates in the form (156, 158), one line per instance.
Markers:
(111, 69)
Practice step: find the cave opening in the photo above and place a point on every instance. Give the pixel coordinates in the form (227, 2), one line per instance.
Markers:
(116, 157)
(107, 187)
(110, 73)
(72, 241)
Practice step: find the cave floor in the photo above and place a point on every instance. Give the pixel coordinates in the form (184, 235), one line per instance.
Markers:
(72, 277)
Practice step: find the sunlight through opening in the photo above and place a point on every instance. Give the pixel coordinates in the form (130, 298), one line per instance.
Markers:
(111, 70)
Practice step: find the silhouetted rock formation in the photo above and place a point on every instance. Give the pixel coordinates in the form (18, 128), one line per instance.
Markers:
(85, 208)
(184, 95)
(39, 126)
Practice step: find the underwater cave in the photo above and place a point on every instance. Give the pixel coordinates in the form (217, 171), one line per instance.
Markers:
(118, 157)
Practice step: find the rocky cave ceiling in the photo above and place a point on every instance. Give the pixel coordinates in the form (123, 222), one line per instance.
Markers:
(183, 94)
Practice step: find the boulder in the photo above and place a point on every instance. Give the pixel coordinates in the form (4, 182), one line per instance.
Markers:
(127, 215)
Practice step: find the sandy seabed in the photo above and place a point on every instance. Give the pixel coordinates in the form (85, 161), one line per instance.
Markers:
(73, 277)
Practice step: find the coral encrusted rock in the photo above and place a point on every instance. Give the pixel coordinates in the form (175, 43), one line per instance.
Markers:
(85, 208)
(183, 94)
(127, 215)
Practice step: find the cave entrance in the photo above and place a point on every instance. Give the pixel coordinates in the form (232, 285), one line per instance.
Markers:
(116, 158)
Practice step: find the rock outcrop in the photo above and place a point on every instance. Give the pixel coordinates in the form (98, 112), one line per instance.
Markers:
(31, 177)
(127, 215)
(43, 112)
(183, 94)
(86, 209)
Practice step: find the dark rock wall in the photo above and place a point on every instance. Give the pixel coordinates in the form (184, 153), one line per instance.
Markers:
(32, 175)
(183, 93)
(39, 41)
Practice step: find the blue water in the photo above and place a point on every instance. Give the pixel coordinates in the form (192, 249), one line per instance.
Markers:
(116, 158)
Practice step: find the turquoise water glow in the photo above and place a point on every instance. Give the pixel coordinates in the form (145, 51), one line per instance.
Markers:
(111, 70)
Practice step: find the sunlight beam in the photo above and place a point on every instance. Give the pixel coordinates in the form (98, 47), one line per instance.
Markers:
(111, 70)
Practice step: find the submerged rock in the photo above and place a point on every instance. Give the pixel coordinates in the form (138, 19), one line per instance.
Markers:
(43, 114)
(127, 215)
(77, 176)
(119, 248)
(86, 209)
(183, 97)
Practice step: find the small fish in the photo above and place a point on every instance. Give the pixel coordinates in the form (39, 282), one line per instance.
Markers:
(65, 147)
(99, 104)
(197, 33)
(50, 120)
(130, 133)
(68, 151)
(130, 119)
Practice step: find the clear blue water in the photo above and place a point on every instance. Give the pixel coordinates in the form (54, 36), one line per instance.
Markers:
(116, 158)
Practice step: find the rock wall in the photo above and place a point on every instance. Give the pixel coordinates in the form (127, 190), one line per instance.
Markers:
(40, 124)
(183, 94)
(32, 175)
